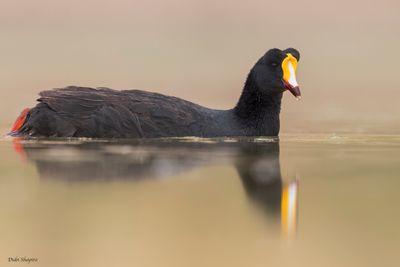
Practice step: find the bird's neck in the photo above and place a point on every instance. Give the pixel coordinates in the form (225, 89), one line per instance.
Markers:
(256, 106)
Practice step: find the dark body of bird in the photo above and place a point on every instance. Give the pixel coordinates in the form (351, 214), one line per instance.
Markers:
(107, 113)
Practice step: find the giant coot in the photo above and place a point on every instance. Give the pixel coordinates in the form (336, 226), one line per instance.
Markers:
(106, 113)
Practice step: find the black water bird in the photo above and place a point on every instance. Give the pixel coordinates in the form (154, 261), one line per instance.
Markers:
(106, 113)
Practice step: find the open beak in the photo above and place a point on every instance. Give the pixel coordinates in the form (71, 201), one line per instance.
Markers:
(289, 66)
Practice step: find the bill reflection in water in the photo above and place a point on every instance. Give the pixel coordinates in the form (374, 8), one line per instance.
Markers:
(257, 164)
(260, 172)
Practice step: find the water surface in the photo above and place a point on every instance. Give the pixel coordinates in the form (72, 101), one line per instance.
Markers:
(315, 200)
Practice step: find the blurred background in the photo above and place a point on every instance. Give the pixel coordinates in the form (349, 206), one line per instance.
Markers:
(202, 51)
(207, 213)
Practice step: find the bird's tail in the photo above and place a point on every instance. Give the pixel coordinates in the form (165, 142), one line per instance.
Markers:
(19, 122)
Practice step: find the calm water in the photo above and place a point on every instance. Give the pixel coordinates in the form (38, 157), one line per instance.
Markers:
(322, 200)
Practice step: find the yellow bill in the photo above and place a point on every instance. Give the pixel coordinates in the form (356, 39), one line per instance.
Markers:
(289, 66)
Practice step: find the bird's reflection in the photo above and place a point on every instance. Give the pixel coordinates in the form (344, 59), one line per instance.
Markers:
(257, 164)
(260, 172)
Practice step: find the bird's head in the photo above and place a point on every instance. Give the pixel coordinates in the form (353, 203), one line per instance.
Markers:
(275, 72)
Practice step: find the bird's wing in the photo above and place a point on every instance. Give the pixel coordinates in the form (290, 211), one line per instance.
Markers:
(131, 113)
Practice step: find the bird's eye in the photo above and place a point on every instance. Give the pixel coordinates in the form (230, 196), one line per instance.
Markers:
(274, 64)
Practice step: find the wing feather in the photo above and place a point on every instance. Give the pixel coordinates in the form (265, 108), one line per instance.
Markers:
(105, 112)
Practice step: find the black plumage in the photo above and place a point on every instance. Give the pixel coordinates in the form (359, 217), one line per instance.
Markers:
(107, 113)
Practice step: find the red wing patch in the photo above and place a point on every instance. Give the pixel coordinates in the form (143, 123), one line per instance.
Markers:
(20, 120)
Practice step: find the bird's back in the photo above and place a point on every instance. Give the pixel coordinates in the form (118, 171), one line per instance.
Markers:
(103, 112)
